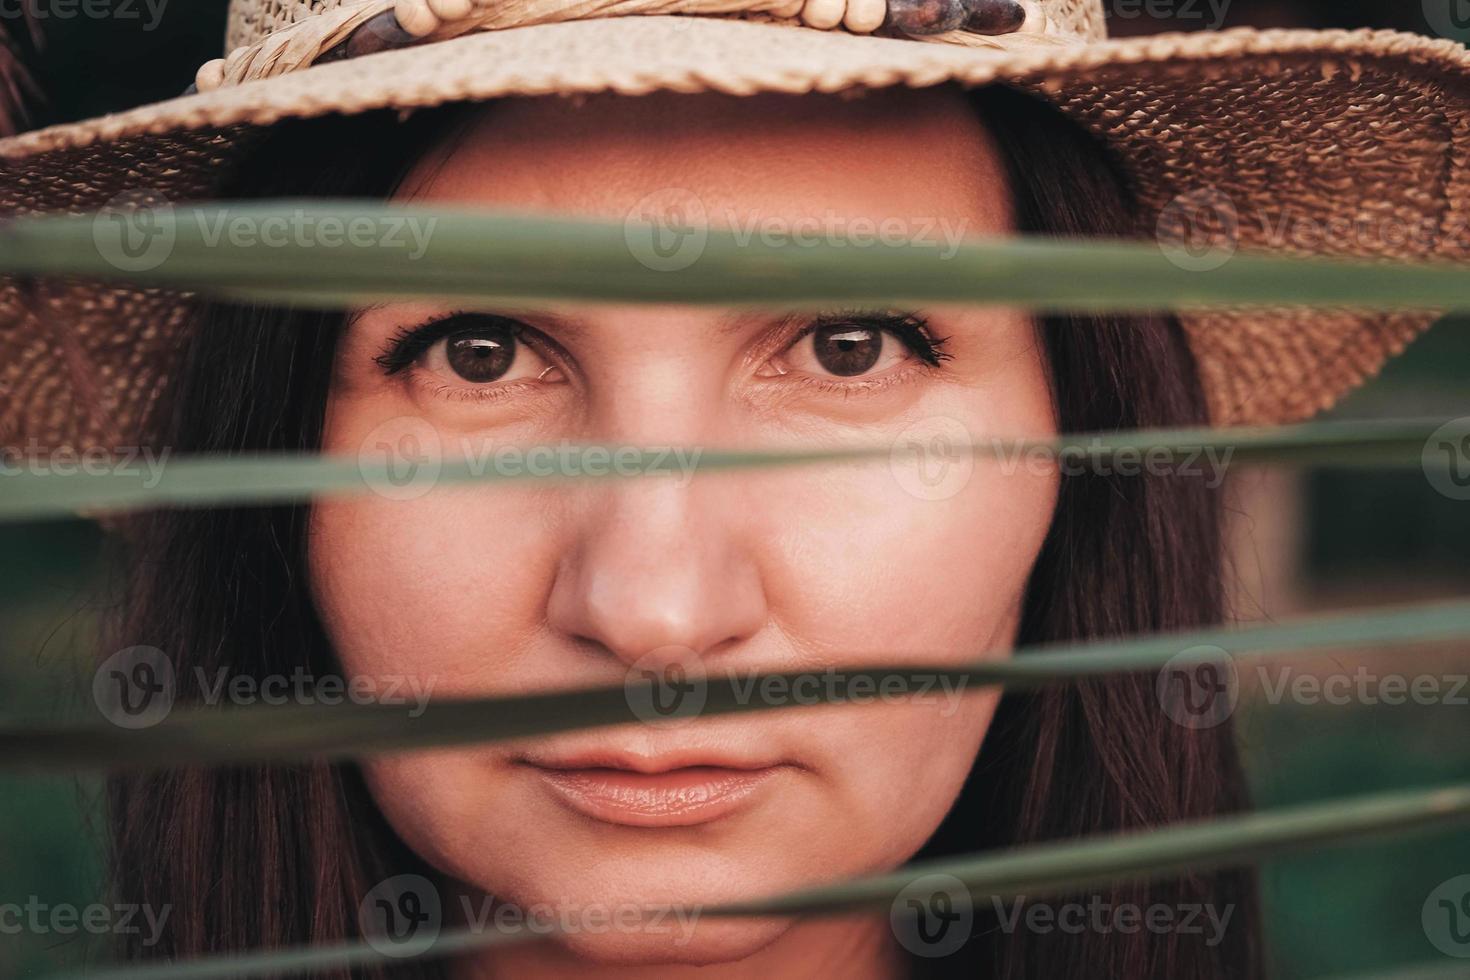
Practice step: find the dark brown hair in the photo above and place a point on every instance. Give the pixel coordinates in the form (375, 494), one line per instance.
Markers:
(279, 855)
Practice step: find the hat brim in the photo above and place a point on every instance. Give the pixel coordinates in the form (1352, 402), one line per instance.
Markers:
(1298, 132)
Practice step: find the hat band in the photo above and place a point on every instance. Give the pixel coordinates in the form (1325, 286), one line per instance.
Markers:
(380, 25)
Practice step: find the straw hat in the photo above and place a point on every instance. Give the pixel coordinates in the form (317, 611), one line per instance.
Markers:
(1349, 143)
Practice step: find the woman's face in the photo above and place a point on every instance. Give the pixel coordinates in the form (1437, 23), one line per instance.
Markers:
(922, 557)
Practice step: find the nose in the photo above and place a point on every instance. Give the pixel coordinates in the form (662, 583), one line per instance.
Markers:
(655, 563)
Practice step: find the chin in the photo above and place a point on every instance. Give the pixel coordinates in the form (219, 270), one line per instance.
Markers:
(702, 942)
(650, 915)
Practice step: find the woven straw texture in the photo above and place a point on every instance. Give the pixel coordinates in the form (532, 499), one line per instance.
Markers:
(1345, 143)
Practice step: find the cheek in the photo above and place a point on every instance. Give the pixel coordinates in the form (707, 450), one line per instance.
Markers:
(867, 566)
(925, 559)
(928, 551)
(449, 586)
(873, 576)
(443, 583)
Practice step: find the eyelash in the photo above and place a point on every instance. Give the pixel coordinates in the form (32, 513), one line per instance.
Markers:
(910, 329)
(409, 344)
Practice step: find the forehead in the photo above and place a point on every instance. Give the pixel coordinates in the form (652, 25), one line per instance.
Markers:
(893, 154)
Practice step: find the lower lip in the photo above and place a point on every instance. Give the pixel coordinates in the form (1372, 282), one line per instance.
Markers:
(677, 798)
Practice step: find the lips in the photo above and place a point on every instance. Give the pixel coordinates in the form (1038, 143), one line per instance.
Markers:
(660, 791)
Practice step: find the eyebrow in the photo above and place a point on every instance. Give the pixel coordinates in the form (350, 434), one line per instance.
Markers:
(357, 314)
(739, 319)
(557, 320)
(731, 322)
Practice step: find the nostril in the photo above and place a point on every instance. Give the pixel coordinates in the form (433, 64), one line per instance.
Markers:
(643, 617)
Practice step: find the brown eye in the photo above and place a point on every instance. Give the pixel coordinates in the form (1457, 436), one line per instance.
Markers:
(481, 354)
(847, 350)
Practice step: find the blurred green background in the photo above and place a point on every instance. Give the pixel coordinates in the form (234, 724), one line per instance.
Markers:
(1303, 542)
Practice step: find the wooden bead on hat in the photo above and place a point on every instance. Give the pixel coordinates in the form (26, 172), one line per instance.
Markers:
(926, 16)
(994, 16)
(210, 76)
(451, 9)
(864, 16)
(412, 20)
(416, 17)
(823, 14)
(938, 16)
(379, 33)
(420, 18)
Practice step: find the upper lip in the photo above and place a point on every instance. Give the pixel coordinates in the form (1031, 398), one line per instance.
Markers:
(647, 764)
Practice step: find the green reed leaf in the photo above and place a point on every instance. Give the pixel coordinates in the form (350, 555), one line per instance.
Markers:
(1449, 970)
(985, 880)
(191, 735)
(335, 253)
(1055, 869)
(61, 486)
